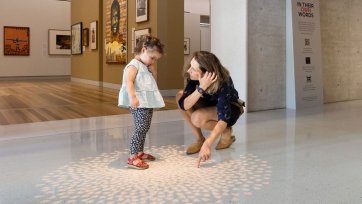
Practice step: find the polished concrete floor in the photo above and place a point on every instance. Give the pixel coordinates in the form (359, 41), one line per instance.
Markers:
(280, 156)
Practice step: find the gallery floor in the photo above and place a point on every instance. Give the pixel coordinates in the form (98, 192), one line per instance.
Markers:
(47, 100)
(280, 156)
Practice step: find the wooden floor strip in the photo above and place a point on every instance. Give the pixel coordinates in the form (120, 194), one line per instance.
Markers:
(47, 100)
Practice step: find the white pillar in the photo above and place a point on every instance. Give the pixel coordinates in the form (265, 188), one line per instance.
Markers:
(229, 39)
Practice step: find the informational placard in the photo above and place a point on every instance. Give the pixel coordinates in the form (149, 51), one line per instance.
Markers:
(304, 65)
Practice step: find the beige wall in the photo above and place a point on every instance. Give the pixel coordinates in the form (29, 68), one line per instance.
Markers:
(112, 73)
(86, 65)
(171, 32)
(92, 65)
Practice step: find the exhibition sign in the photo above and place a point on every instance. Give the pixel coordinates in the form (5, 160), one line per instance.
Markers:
(304, 64)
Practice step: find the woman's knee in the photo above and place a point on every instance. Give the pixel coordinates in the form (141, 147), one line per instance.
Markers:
(197, 119)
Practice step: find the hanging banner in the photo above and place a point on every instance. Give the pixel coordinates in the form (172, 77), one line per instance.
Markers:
(304, 64)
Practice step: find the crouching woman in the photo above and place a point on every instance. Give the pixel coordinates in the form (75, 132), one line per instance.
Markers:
(209, 101)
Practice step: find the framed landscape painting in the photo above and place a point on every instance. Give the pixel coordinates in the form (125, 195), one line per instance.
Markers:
(139, 33)
(141, 10)
(59, 42)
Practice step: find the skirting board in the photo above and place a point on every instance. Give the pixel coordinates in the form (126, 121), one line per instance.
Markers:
(16, 78)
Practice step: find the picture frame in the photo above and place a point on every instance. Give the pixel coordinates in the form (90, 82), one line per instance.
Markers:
(76, 34)
(116, 31)
(186, 46)
(141, 10)
(59, 42)
(85, 37)
(16, 41)
(138, 34)
(93, 35)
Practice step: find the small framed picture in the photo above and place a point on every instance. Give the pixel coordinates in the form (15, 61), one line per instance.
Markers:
(138, 34)
(85, 37)
(93, 35)
(141, 10)
(186, 46)
(16, 41)
(59, 42)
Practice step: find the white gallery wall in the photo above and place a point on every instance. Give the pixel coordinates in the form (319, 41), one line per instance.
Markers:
(201, 7)
(229, 39)
(205, 32)
(263, 78)
(39, 16)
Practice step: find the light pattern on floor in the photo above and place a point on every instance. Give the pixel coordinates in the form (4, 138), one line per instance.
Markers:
(173, 178)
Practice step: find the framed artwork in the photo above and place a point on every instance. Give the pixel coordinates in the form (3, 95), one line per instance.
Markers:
(116, 31)
(85, 37)
(59, 42)
(186, 46)
(141, 10)
(93, 35)
(16, 41)
(77, 30)
(138, 34)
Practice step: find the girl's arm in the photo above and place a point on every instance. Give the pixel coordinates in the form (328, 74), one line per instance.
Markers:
(153, 70)
(130, 78)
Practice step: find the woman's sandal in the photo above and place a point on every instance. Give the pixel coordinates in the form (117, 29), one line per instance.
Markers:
(146, 157)
(140, 165)
(225, 143)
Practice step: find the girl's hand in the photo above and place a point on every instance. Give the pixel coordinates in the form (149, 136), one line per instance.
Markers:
(207, 80)
(135, 102)
(151, 69)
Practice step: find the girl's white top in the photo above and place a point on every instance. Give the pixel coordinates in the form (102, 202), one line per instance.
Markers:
(145, 86)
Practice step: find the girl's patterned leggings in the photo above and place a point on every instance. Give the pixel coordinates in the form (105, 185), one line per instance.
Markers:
(142, 120)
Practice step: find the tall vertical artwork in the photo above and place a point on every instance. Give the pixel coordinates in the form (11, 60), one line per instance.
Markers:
(16, 41)
(94, 35)
(76, 33)
(116, 31)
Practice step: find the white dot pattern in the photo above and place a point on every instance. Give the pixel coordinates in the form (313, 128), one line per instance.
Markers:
(172, 178)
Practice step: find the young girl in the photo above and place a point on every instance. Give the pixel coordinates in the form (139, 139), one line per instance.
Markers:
(140, 93)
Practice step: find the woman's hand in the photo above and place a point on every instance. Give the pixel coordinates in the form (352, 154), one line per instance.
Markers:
(204, 153)
(135, 102)
(207, 80)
